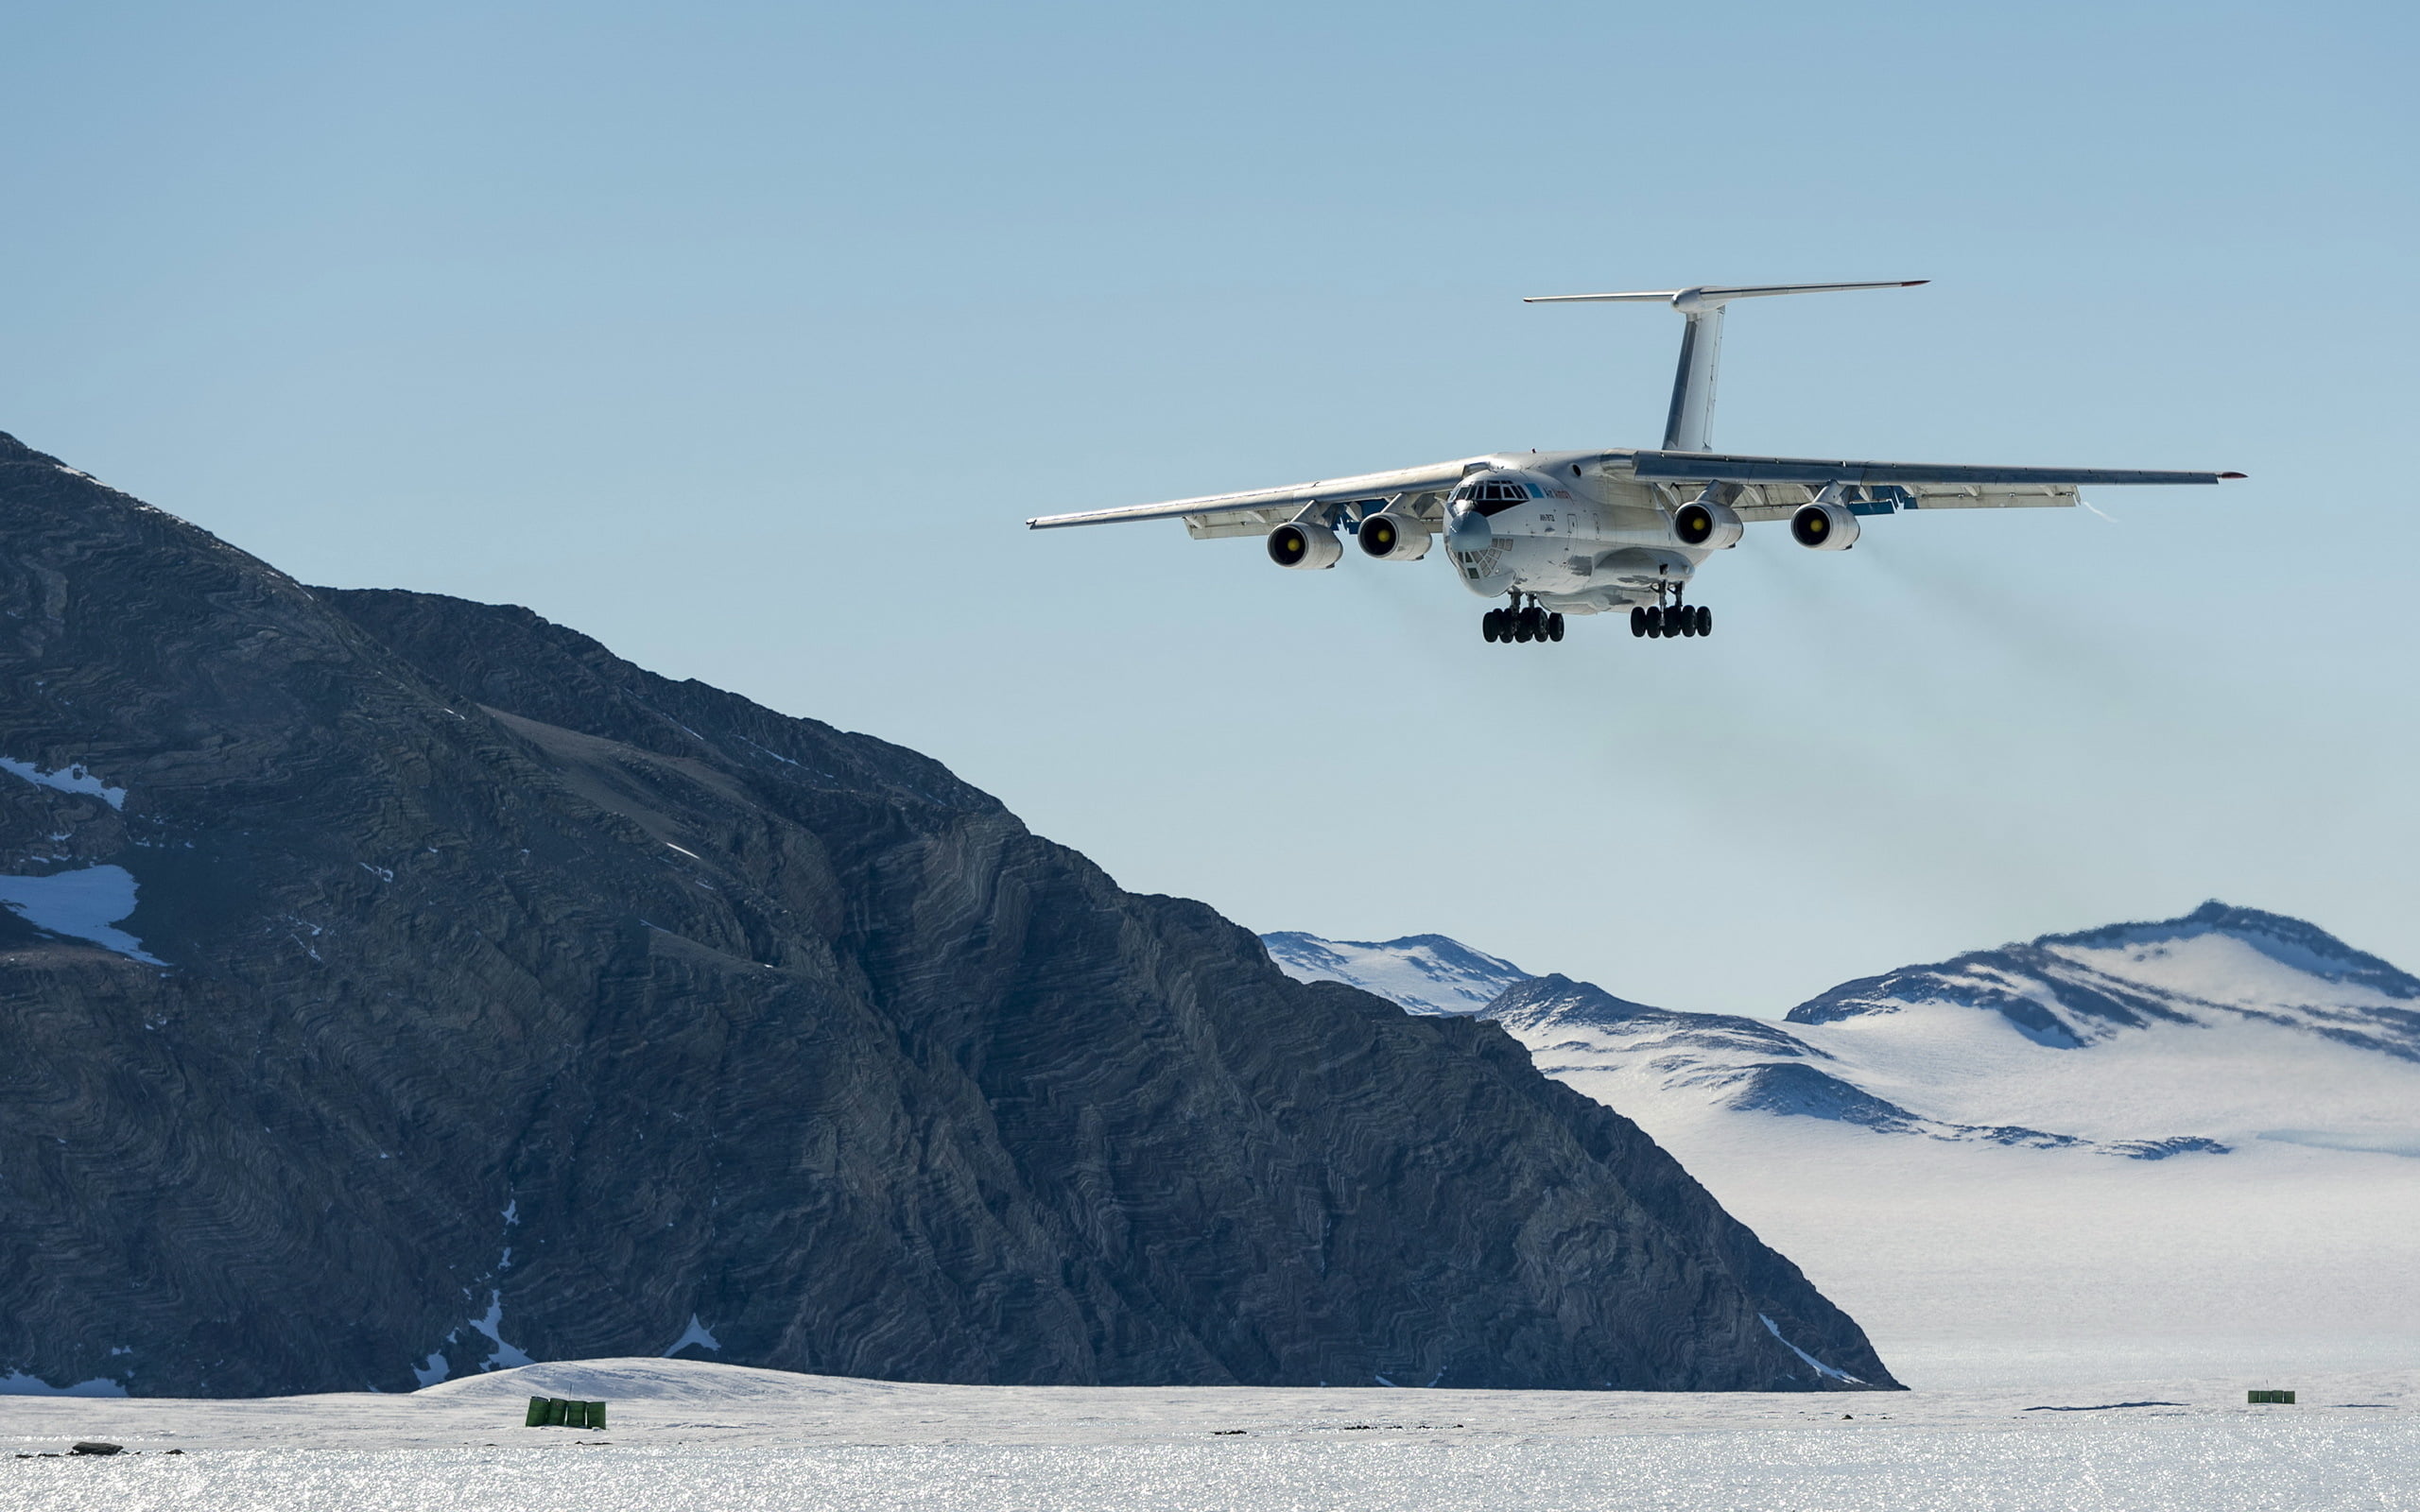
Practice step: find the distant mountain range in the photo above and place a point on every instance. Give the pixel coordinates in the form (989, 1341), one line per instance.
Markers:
(1847, 1054)
(1948, 1146)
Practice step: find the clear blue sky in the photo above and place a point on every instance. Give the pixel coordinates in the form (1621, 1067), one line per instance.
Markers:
(744, 337)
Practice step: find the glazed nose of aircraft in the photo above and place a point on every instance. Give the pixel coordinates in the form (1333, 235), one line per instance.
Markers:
(1466, 529)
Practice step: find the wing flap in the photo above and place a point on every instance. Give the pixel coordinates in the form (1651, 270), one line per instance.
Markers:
(1780, 501)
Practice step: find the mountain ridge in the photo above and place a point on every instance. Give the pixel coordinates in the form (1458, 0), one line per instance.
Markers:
(2046, 991)
(2217, 966)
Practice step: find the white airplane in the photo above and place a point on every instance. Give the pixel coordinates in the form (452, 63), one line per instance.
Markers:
(1560, 533)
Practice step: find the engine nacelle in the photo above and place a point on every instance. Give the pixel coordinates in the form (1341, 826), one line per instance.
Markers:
(1823, 528)
(1393, 537)
(1713, 525)
(1306, 547)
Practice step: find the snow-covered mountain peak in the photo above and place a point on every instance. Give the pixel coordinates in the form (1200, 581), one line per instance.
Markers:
(1425, 974)
(2303, 946)
(2216, 964)
(2241, 956)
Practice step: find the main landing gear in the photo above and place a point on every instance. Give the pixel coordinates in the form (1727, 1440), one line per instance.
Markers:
(1673, 619)
(1511, 624)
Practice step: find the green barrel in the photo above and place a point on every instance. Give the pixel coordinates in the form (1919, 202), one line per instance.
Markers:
(536, 1413)
(556, 1408)
(596, 1416)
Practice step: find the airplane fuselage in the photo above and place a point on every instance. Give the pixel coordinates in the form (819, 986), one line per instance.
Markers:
(1579, 541)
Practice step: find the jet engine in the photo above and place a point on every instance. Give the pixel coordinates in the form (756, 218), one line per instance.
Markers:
(1304, 545)
(1823, 528)
(1393, 537)
(1715, 525)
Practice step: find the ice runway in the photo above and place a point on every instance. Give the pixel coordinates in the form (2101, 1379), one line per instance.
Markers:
(698, 1437)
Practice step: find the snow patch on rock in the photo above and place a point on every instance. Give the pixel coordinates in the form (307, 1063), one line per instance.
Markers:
(506, 1355)
(82, 904)
(695, 1334)
(69, 778)
(18, 1384)
(1819, 1367)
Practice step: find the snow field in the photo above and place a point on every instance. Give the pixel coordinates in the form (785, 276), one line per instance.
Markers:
(1977, 1265)
(2304, 1467)
(692, 1435)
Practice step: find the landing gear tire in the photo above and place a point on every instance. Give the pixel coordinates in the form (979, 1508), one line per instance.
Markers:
(1554, 627)
(1661, 621)
(1491, 626)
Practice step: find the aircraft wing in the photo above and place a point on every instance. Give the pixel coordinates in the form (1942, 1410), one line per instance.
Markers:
(1419, 490)
(1718, 467)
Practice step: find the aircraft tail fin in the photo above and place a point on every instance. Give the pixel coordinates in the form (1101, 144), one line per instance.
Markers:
(1688, 426)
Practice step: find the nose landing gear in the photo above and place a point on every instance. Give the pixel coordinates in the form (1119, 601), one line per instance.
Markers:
(1517, 623)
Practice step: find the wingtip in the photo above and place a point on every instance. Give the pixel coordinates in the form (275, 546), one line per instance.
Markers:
(1911, 283)
(2235, 475)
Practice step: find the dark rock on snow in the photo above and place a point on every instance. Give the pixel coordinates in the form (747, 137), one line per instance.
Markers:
(485, 994)
(1546, 1006)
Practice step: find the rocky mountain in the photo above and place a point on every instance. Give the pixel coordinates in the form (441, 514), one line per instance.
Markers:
(393, 986)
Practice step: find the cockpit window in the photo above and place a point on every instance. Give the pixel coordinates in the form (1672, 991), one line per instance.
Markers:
(1492, 498)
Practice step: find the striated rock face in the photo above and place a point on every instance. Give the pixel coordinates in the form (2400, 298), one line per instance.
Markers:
(483, 997)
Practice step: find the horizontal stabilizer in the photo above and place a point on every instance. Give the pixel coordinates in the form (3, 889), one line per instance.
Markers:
(1716, 293)
(1716, 466)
